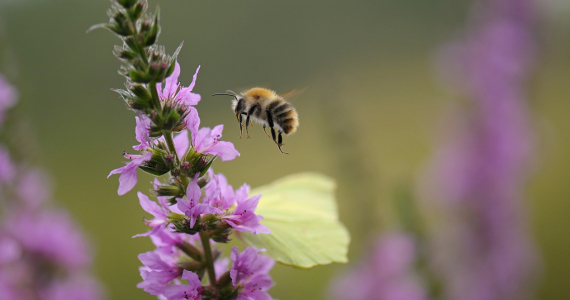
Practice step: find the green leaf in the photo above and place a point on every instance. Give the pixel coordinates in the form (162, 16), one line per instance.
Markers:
(301, 212)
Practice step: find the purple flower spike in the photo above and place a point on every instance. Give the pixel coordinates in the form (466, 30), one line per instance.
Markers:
(173, 91)
(192, 290)
(128, 173)
(207, 141)
(250, 273)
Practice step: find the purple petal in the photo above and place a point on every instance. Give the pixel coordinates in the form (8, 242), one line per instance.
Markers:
(153, 231)
(193, 123)
(150, 206)
(225, 150)
(242, 193)
(189, 98)
(181, 143)
(193, 192)
(202, 139)
(191, 86)
(192, 278)
(128, 178)
(250, 266)
(171, 82)
(142, 131)
(153, 261)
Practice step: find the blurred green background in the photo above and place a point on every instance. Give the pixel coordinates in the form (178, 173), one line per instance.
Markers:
(368, 116)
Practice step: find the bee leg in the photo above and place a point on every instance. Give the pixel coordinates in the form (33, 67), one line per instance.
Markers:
(270, 121)
(279, 144)
(238, 110)
(240, 125)
(266, 131)
(249, 113)
(246, 126)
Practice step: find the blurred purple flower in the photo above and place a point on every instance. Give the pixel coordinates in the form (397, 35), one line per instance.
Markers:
(7, 169)
(385, 274)
(78, 287)
(8, 97)
(34, 188)
(49, 234)
(43, 255)
(483, 251)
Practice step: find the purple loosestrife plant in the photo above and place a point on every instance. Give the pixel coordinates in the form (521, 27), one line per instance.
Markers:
(195, 208)
(483, 250)
(43, 256)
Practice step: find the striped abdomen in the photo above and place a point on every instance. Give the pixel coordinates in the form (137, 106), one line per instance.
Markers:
(284, 115)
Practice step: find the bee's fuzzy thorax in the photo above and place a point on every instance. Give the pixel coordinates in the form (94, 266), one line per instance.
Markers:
(258, 93)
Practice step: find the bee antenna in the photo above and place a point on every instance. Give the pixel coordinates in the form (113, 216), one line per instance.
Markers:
(227, 93)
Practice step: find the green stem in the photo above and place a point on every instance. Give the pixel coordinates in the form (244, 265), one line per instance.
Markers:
(155, 98)
(208, 257)
(170, 143)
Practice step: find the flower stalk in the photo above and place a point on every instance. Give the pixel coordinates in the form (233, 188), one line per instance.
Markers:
(209, 261)
(194, 205)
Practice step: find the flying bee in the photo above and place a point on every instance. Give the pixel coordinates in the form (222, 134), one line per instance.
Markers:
(267, 108)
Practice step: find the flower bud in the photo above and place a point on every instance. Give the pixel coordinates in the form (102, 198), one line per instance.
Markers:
(183, 226)
(156, 165)
(222, 233)
(122, 25)
(170, 190)
(137, 11)
(139, 77)
(124, 53)
(225, 280)
(141, 92)
(127, 3)
(153, 33)
(171, 67)
(145, 27)
(139, 104)
(131, 41)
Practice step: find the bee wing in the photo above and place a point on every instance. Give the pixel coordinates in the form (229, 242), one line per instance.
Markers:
(292, 93)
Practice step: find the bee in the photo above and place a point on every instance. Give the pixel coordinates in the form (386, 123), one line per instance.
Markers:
(267, 108)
